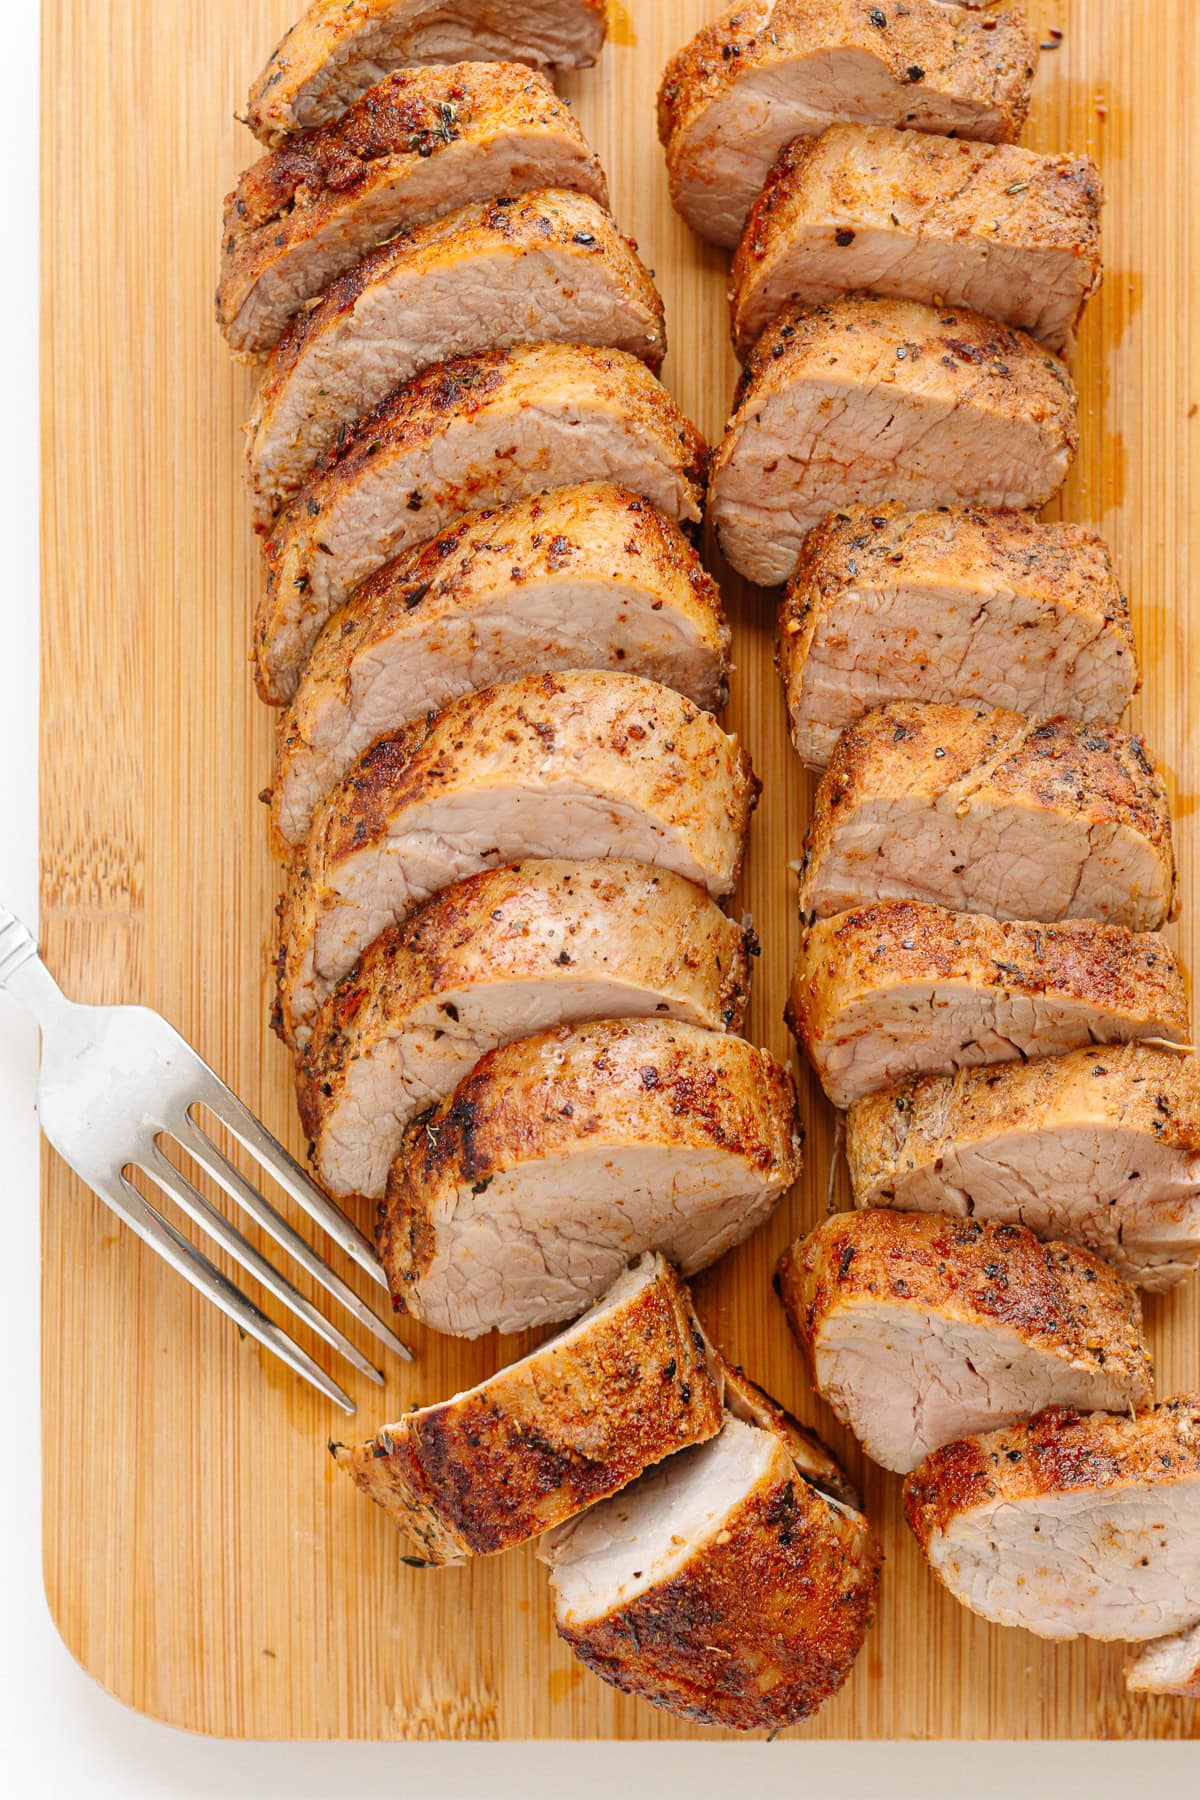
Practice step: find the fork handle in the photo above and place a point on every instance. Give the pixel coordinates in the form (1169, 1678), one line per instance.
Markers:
(22, 971)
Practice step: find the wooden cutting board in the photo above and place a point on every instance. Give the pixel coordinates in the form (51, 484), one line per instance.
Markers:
(204, 1559)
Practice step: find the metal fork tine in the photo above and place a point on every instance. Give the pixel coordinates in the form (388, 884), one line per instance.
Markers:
(207, 1279)
(189, 1198)
(218, 1167)
(272, 1156)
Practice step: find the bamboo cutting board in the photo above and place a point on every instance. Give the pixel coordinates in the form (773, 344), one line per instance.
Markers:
(204, 1559)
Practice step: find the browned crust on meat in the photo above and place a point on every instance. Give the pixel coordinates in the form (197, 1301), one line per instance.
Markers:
(616, 1081)
(1054, 1296)
(289, 195)
(813, 1458)
(995, 64)
(1058, 1452)
(324, 35)
(761, 1626)
(1060, 767)
(534, 1445)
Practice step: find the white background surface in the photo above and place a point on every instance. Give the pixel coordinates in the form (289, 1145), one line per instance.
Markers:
(59, 1733)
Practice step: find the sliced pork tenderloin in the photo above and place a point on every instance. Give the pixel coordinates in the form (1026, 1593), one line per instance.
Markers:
(590, 576)
(548, 266)
(420, 143)
(720, 1587)
(986, 811)
(908, 216)
(1168, 1665)
(767, 71)
(578, 1419)
(518, 1200)
(1072, 1525)
(500, 956)
(1100, 1147)
(960, 604)
(813, 1458)
(477, 432)
(900, 989)
(919, 1330)
(337, 50)
(867, 400)
(576, 765)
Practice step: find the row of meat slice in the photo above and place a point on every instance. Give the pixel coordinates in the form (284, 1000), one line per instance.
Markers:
(706, 1551)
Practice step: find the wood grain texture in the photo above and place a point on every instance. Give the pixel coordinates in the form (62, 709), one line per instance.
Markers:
(204, 1559)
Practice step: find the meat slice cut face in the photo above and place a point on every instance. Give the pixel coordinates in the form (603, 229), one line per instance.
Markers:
(591, 576)
(986, 811)
(578, 1419)
(768, 71)
(919, 1330)
(499, 956)
(900, 989)
(907, 216)
(546, 266)
(1169, 1665)
(578, 765)
(721, 1586)
(866, 400)
(519, 1199)
(959, 604)
(1099, 1147)
(1071, 1526)
(335, 52)
(420, 143)
(480, 431)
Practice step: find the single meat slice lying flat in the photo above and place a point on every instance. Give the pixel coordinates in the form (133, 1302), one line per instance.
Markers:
(919, 1330)
(1169, 1665)
(548, 266)
(768, 71)
(867, 400)
(496, 957)
(578, 1419)
(420, 143)
(576, 765)
(340, 48)
(990, 607)
(517, 1201)
(901, 989)
(480, 431)
(720, 1587)
(907, 216)
(987, 811)
(1071, 1526)
(590, 576)
(1100, 1147)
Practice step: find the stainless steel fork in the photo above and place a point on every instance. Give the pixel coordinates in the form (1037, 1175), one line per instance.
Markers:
(116, 1084)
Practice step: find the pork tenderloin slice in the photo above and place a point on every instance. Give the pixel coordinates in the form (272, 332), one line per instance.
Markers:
(516, 1201)
(1071, 1526)
(813, 1458)
(500, 956)
(986, 811)
(590, 576)
(547, 266)
(900, 989)
(768, 71)
(960, 604)
(1100, 1147)
(420, 143)
(1169, 1665)
(480, 431)
(867, 400)
(910, 216)
(336, 51)
(576, 765)
(720, 1587)
(578, 1419)
(919, 1330)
